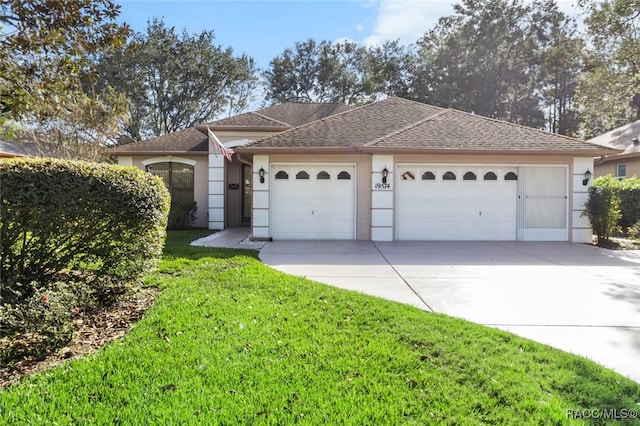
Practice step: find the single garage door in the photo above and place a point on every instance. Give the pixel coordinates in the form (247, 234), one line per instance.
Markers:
(313, 202)
(454, 202)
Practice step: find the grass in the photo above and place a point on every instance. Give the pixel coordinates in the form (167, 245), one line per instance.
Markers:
(231, 341)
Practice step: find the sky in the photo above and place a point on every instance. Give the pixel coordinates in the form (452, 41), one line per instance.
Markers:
(263, 29)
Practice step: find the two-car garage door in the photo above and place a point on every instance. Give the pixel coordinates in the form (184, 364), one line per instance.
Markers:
(313, 202)
(474, 202)
(456, 203)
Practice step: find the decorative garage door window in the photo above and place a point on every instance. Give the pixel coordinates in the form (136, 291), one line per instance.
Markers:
(408, 176)
(323, 176)
(469, 176)
(428, 176)
(302, 175)
(511, 176)
(490, 176)
(282, 175)
(449, 176)
(344, 176)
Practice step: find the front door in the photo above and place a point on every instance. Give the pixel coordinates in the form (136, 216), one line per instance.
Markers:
(247, 195)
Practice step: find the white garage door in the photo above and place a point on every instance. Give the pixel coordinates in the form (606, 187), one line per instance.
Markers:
(312, 202)
(437, 202)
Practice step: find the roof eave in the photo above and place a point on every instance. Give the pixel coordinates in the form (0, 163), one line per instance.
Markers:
(217, 128)
(147, 153)
(413, 150)
(617, 157)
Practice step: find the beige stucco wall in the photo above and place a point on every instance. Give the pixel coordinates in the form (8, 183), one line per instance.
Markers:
(610, 167)
(200, 172)
(363, 182)
(578, 230)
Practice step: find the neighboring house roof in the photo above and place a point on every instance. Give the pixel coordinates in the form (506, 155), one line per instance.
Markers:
(276, 118)
(400, 124)
(625, 139)
(17, 149)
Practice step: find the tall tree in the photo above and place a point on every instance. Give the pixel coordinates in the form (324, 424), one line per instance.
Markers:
(174, 81)
(610, 88)
(337, 72)
(45, 46)
(483, 59)
(560, 50)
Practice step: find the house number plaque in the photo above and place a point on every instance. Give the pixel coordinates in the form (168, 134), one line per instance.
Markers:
(381, 185)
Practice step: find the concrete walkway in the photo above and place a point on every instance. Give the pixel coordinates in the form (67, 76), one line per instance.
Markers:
(574, 297)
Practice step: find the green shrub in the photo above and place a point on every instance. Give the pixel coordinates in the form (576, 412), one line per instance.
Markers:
(629, 202)
(73, 235)
(603, 207)
(182, 216)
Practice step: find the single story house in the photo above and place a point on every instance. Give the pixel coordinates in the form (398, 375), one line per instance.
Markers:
(391, 170)
(626, 163)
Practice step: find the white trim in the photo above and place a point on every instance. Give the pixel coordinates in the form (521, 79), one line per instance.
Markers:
(169, 159)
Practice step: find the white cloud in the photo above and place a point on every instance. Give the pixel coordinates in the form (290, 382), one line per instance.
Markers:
(407, 20)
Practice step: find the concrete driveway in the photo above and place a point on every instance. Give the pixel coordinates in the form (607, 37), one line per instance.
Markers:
(575, 297)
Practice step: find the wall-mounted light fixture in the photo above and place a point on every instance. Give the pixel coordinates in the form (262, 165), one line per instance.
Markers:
(635, 141)
(261, 174)
(587, 176)
(385, 173)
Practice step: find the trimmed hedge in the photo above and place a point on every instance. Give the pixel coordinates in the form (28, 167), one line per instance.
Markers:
(603, 207)
(613, 206)
(630, 202)
(99, 223)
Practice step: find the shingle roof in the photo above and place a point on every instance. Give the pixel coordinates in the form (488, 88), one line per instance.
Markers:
(274, 118)
(12, 149)
(187, 140)
(621, 138)
(396, 123)
(354, 127)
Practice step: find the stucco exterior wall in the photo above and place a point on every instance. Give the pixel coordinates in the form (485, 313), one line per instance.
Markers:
(200, 172)
(375, 209)
(610, 167)
(261, 200)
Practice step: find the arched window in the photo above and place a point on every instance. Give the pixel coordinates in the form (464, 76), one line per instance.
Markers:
(511, 176)
(178, 178)
(282, 175)
(469, 176)
(428, 176)
(323, 176)
(302, 175)
(344, 175)
(449, 176)
(490, 176)
(408, 176)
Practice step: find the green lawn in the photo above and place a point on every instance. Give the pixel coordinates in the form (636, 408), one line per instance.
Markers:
(230, 341)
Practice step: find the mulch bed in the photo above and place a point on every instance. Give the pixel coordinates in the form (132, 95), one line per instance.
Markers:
(94, 330)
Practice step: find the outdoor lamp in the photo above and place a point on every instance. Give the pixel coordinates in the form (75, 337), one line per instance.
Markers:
(261, 174)
(385, 173)
(587, 176)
